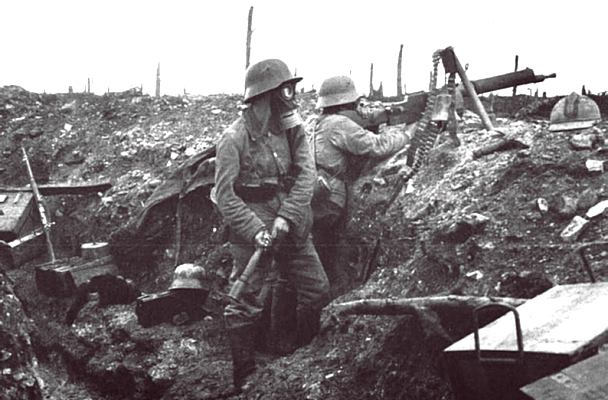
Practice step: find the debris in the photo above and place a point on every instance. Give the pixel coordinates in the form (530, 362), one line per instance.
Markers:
(476, 275)
(564, 206)
(586, 199)
(574, 229)
(597, 209)
(415, 305)
(526, 284)
(502, 144)
(594, 165)
(74, 158)
(583, 141)
(542, 204)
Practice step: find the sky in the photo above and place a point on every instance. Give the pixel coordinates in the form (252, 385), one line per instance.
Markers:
(49, 45)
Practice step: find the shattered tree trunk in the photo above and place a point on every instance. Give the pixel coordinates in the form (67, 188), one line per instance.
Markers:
(248, 44)
(399, 86)
(415, 304)
(158, 81)
(371, 80)
(516, 66)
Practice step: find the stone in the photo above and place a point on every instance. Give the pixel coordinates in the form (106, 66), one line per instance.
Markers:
(574, 229)
(587, 199)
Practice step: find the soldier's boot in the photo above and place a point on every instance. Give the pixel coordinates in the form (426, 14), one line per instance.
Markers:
(243, 355)
(283, 325)
(309, 323)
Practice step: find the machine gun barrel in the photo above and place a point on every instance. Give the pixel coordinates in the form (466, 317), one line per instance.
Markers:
(517, 78)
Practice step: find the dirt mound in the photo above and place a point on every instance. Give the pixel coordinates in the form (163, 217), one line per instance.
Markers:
(466, 225)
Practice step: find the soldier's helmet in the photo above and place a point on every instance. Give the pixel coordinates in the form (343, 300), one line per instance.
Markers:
(265, 76)
(574, 112)
(188, 276)
(337, 90)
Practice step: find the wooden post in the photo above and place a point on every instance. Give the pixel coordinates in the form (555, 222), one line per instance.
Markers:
(516, 66)
(88, 85)
(371, 80)
(473, 94)
(248, 44)
(399, 87)
(158, 80)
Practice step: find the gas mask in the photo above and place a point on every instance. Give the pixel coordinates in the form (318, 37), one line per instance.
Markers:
(285, 108)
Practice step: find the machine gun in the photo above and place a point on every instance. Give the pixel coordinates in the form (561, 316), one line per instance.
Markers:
(411, 109)
(436, 109)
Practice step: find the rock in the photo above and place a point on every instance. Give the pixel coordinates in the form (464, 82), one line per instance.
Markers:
(526, 284)
(594, 165)
(574, 229)
(19, 378)
(583, 141)
(598, 209)
(587, 199)
(542, 205)
(564, 206)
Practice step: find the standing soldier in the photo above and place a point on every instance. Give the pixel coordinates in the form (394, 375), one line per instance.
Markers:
(339, 142)
(264, 178)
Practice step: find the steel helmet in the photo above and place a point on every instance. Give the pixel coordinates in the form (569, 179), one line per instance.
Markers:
(337, 90)
(188, 276)
(574, 112)
(265, 76)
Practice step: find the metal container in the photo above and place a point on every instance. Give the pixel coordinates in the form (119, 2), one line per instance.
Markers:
(542, 336)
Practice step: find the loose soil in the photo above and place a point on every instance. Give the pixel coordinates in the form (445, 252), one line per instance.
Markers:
(423, 245)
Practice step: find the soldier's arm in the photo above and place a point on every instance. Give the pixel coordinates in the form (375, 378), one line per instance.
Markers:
(295, 205)
(234, 210)
(354, 139)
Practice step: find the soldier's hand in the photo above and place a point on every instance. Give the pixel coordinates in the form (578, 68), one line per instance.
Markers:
(263, 239)
(280, 228)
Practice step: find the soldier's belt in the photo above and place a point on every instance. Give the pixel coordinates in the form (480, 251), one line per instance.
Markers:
(256, 193)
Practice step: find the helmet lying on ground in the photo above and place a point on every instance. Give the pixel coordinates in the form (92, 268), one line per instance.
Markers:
(574, 112)
(188, 276)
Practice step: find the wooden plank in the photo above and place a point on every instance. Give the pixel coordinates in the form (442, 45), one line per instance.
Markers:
(564, 320)
(586, 380)
(52, 189)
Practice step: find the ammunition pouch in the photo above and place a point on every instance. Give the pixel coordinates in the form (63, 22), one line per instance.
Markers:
(256, 192)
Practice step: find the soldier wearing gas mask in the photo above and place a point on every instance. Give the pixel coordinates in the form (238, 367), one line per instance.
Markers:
(341, 143)
(263, 186)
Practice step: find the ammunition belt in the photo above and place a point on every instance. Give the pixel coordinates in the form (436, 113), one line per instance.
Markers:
(425, 134)
(426, 131)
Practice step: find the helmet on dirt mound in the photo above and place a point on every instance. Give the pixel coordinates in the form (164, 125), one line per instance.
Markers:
(574, 112)
(188, 276)
(337, 90)
(265, 76)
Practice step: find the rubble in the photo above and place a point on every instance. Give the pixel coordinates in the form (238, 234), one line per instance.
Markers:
(472, 215)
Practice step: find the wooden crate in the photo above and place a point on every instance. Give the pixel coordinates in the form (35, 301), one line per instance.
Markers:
(559, 327)
(21, 235)
(61, 278)
(587, 380)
